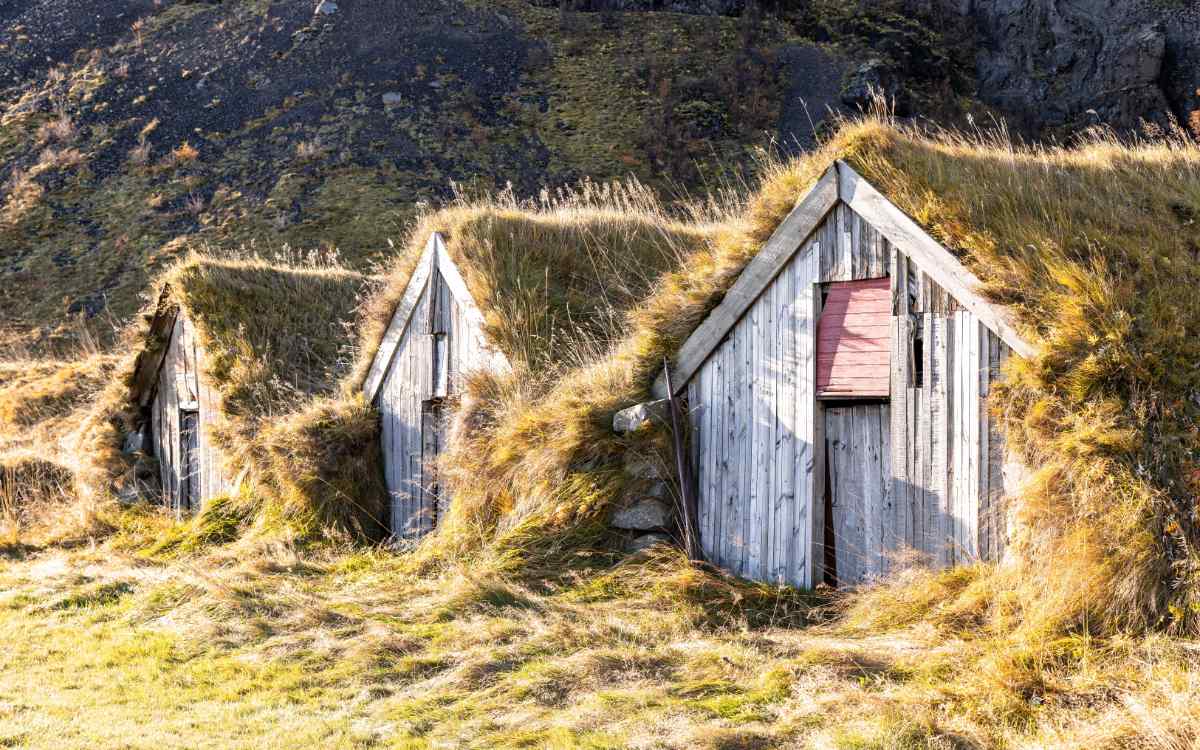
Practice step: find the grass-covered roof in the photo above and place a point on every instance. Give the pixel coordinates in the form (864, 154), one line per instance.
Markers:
(553, 279)
(272, 332)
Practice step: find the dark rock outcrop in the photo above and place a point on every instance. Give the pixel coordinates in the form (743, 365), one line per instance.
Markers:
(694, 7)
(1062, 64)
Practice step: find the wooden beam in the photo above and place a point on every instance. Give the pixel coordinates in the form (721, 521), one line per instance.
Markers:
(936, 261)
(150, 360)
(395, 329)
(756, 277)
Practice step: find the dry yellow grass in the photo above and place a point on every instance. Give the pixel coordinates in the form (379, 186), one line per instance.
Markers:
(290, 650)
(516, 625)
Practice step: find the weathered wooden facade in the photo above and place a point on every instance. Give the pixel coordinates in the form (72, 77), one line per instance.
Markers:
(180, 407)
(434, 338)
(838, 399)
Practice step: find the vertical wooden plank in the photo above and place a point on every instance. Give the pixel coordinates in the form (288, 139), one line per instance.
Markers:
(744, 444)
(166, 380)
(810, 440)
(867, 248)
(999, 501)
(391, 406)
(209, 485)
(976, 441)
(925, 541)
(824, 248)
(767, 412)
(858, 266)
(160, 446)
(892, 520)
(867, 440)
(405, 418)
(983, 517)
(846, 558)
(423, 380)
(719, 459)
(949, 420)
(698, 391)
(171, 370)
(714, 460)
(940, 425)
(752, 519)
(731, 452)
(882, 417)
(962, 452)
(387, 413)
(786, 399)
(902, 511)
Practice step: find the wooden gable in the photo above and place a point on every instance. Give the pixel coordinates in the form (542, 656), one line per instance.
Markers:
(435, 270)
(839, 186)
(773, 458)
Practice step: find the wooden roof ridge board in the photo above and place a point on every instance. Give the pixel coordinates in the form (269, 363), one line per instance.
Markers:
(839, 182)
(935, 260)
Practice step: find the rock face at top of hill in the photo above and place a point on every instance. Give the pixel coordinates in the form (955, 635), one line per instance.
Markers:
(1064, 64)
(1053, 66)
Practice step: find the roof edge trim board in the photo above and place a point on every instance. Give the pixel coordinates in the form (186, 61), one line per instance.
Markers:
(934, 259)
(404, 310)
(146, 370)
(762, 269)
(458, 288)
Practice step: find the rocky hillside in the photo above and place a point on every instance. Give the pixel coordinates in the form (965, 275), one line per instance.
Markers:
(132, 129)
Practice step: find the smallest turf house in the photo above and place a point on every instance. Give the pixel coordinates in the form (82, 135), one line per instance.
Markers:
(179, 406)
(434, 338)
(838, 399)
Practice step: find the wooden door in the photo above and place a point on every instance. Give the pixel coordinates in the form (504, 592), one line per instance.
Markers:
(189, 464)
(858, 458)
(433, 426)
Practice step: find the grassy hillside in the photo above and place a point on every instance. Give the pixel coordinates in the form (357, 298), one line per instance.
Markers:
(353, 651)
(308, 155)
(128, 140)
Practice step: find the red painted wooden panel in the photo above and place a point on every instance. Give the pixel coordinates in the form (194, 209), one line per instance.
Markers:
(854, 338)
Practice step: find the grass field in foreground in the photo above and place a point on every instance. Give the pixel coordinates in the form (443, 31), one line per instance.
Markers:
(104, 651)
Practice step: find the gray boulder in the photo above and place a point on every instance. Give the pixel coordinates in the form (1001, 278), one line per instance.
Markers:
(646, 541)
(135, 443)
(643, 467)
(868, 81)
(646, 514)
(628, 420)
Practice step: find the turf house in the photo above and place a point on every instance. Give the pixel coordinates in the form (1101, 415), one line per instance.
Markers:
(502, 292)
(230, 345)
(435, 336)
(838, 397)
(179, 405)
